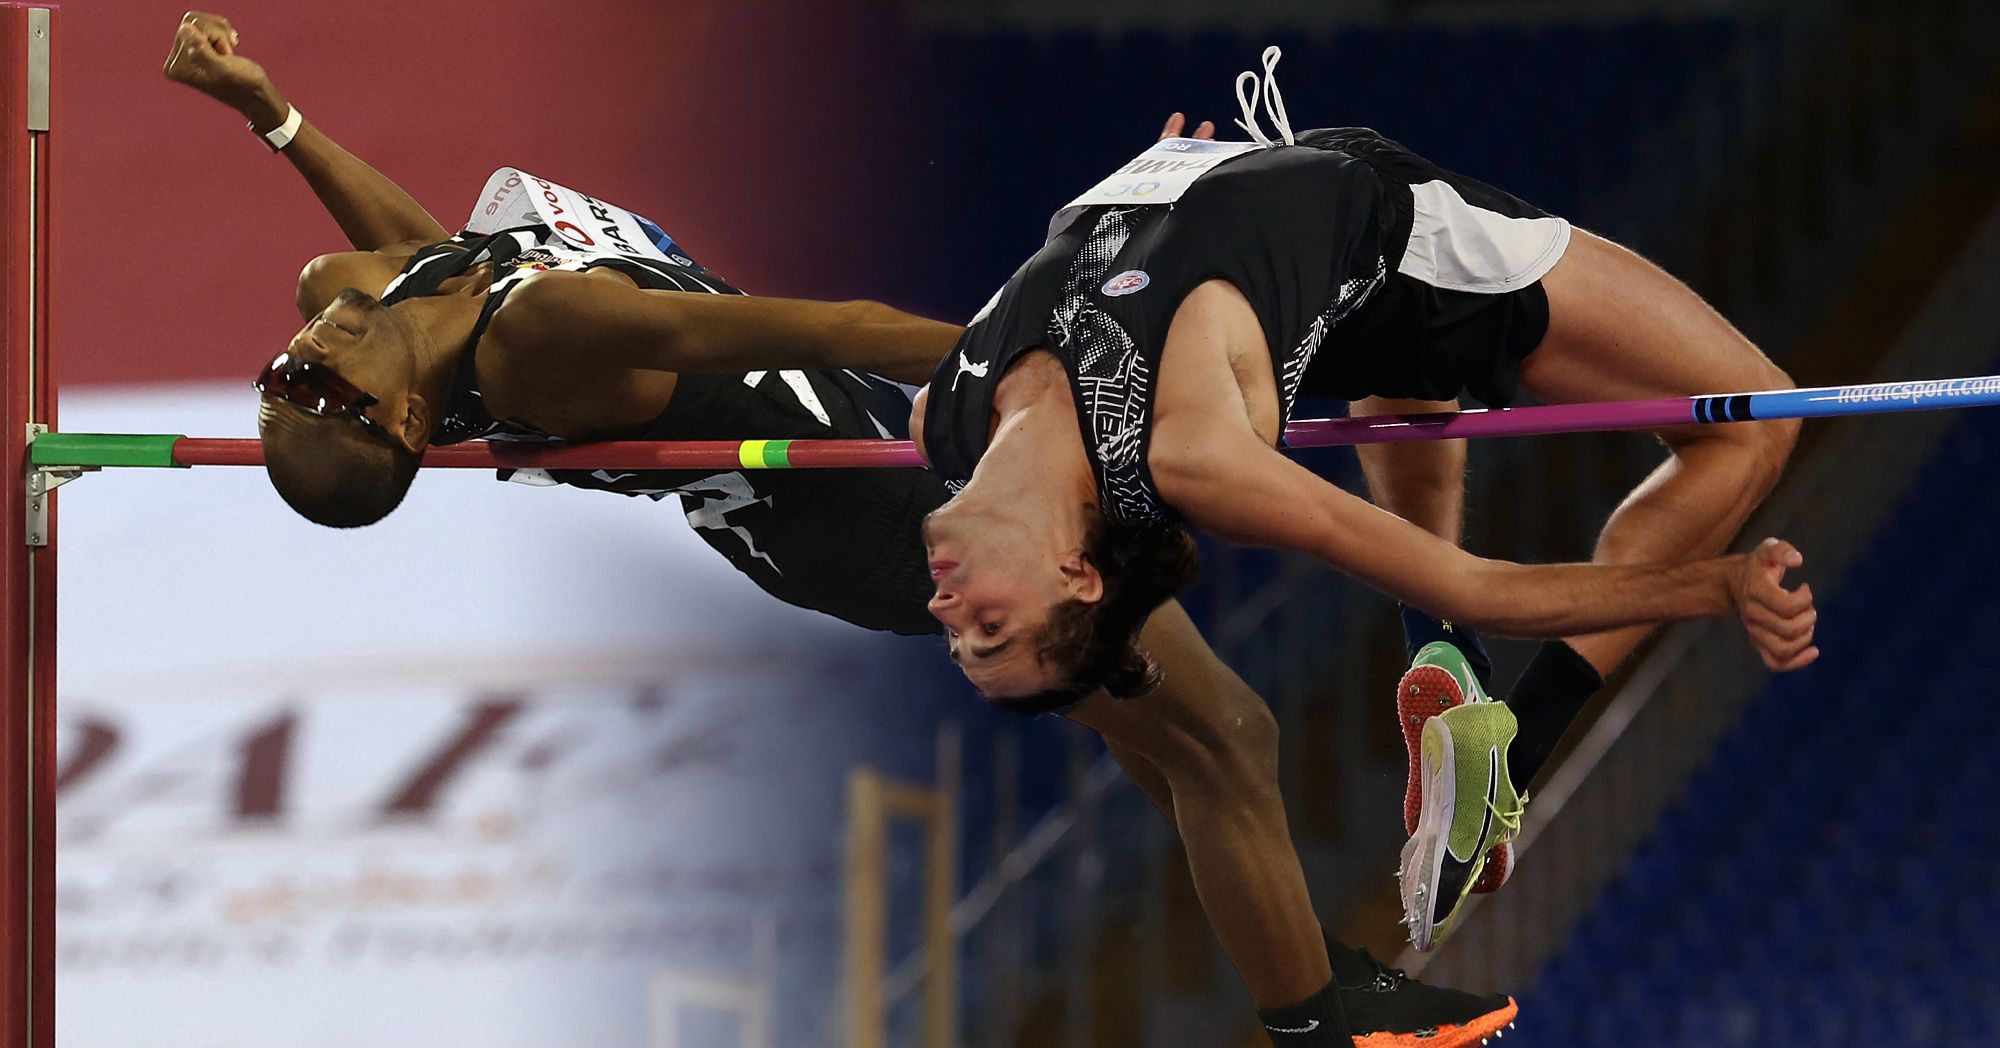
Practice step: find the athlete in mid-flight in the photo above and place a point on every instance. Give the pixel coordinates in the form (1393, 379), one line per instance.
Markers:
(529, 326)
(1137, 372)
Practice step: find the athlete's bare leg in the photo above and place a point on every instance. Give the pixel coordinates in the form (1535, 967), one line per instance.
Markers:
(1421, 481)
(1205, 749)
(1620, 328)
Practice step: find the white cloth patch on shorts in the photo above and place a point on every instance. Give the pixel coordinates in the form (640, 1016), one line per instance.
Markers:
(1457, 246)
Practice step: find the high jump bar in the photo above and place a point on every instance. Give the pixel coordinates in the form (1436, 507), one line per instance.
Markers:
(98, 450)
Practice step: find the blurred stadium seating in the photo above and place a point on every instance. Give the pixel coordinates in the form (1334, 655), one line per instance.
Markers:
(1826, 878)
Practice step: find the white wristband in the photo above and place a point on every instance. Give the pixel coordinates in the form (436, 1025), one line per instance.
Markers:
(281, 136)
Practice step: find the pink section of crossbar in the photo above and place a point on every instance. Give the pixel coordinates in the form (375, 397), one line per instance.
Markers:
(1498, 422)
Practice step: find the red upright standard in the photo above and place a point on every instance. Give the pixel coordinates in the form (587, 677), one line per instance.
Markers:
(27, 401)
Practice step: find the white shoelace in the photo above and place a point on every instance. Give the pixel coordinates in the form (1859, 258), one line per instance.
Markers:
(1265, 87)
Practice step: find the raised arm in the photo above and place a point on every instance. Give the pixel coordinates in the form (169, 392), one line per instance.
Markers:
(371, 210)
(1245, 492)
(617, 324)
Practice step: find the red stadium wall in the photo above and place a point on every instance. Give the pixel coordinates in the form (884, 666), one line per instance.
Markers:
(748, 130)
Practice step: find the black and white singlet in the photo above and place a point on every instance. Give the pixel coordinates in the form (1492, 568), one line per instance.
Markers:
(843, 542)
(1371, 271)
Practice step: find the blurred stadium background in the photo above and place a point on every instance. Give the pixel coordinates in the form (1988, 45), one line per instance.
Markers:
(533, 768)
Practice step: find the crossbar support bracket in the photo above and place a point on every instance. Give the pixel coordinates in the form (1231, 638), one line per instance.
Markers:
(42, 481)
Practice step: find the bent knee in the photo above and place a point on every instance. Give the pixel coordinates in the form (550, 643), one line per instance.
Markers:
(1759, 449)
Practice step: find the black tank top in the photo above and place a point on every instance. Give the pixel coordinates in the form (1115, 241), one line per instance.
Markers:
(1299, 230)
(844, 542)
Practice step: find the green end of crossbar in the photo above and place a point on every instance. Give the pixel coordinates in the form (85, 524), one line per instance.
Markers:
(765, 454)
(103, 449)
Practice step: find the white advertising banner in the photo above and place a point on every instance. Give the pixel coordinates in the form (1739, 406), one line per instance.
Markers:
(503, 771)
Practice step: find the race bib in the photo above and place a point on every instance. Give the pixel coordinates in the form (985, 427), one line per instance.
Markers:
(1161, 174)
(515, 198)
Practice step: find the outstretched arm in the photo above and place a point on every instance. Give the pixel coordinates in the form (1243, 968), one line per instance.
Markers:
(1246, 492)
(371, 210)
(620, 325)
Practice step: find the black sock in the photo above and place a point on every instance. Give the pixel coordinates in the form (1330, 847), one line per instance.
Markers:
(1546, 700)
(1420, 629)
(1316, 1022)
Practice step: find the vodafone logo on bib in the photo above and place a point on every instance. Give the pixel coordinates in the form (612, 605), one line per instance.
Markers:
(1127, 282)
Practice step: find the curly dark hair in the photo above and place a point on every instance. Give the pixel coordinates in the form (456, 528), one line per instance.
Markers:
(1096, 644)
